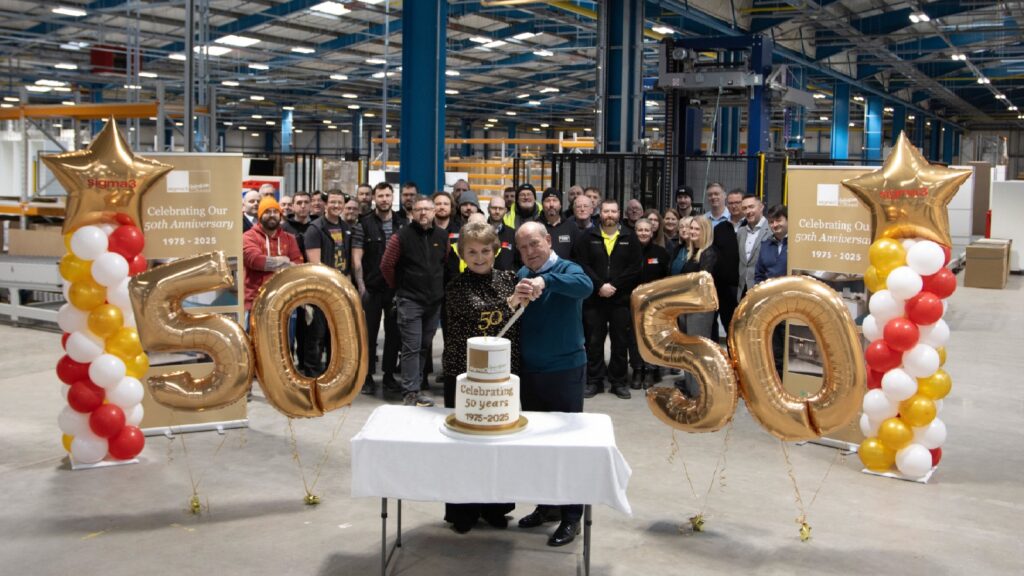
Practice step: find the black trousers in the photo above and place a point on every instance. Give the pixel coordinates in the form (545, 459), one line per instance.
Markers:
(560, 391)
(377, 305)
(469, 513)
(603, 320)
(726, 308)
(779, 345)
(313, 342)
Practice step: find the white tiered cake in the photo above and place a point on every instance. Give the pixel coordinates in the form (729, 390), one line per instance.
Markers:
(487, 395)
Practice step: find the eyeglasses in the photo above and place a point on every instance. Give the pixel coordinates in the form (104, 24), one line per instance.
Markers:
(422, 209)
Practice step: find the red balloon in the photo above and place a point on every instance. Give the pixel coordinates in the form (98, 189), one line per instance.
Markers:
(942, 283)
(107, 420)
(882, 358)
(70, 371)
(124, 219)
(84, 396)
(126, 240)
(64, 340)
(127, 443)
(924, 309)
(874, 379)
(137, 265)
(901, 334)
(936, 456)
(948, 252)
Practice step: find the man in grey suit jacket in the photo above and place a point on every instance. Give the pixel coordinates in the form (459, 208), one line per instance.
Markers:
(751, 232)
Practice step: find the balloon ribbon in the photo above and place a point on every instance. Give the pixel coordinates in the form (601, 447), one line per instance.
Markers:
(312, 499)
(697, 521)
(805, 527)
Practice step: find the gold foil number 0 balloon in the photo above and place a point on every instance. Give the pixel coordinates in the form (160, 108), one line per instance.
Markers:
(164, 326)
(750, 336)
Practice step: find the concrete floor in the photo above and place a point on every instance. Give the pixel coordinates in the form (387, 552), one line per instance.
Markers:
(133, 519)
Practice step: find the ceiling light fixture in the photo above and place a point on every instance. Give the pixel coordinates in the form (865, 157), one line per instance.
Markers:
(66, 66)
(663, 29)
(959, 57)
(288, 108)
(549, 89)
(523, 96)
(353, 106)
(919, 17)
(11, 99)
(259, 66)
(229, 83)
(534, 102)
(545, 125)
(494, 120)
(480, 39)
(570, 119)
(823, 118)
(50, 83)
(148, 75)
(68, 11)
(350, 95)
(68, 102)
(451, 92)
(237, 41)
(495, 44)
(240, 127)
(543, 53)
(376, 61)
(451, 72)
(212, 50)
(1000, 96)
(177, 56)
(271, 123)
(297, 130)
(256, 98)
(257, 116)
(524, 35)
(330, 8)
(303, 50)
(510, 113)
(340, 77)
(819, 96)
(369, 115)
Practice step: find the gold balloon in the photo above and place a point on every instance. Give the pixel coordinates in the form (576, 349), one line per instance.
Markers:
(67, 243)
(936, 386)
(895, 434)
(105, 319)
(876, 456)
(124, 343)
(790, 417)
(74, 269)
(656, 307)
(908, 196)
(942, 355)
(137, 366)
(66, 441)
(86, 294)
(165, 327)
(918, 410)
(886, 255)
(872, 281)
(104, 180)
(286, 389)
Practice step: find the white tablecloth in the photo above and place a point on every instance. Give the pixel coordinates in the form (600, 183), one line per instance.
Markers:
(559, 458)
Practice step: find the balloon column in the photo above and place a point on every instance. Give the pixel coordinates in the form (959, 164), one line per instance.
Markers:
(104, 359)
(909, 282)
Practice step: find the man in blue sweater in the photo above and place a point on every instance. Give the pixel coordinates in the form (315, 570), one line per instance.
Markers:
(554, 359)
(771, 263)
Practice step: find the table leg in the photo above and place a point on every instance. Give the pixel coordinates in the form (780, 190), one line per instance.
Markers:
(383, 536)
(398, 541)
(587, 521)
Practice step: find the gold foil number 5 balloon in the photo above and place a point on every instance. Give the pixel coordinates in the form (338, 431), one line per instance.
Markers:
(164, 326)
(781, 413)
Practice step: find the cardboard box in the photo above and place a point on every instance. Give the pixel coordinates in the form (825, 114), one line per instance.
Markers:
(43, 241)
(988, 264)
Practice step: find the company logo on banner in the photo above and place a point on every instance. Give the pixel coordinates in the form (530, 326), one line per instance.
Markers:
(186, 182)
(828, 195)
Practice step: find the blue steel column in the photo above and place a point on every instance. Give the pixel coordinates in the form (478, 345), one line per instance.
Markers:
(467, 132)
(841, 121)
(424, 23)
(759, 111)
(796, 128)
(873, 130)
(357, 132)
(734, 127)
(622, 22)
(948, 137)
(935, 142)
(286, 131)
(510, 134)
(919, 133)
(899, 121)
(724, 131)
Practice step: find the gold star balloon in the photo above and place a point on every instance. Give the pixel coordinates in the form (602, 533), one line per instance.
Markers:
(908, 196)
(104, 180)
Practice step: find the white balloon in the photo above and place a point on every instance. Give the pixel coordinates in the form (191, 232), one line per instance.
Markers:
(133, 416)
(83, 346)
(868, 427)
(118, 295)
(914, 461)
(921, 361)
(109, 269)
(903, 282)
(931, 436)
(126, 394)
(88, 448)
(926, 257)
(945, 307)
(935, 335)
(71, 422)
(884, 306)
(107, 371)
(108, 229)
(64, 289)
(71, 319)
(88, 242)
(909, 243)
(878, 407)
(871, 329)
(898, 385)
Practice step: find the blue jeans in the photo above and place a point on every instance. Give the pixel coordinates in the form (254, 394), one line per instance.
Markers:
(417, 325)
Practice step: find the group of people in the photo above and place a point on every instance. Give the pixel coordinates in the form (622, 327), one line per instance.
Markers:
(440, 260)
